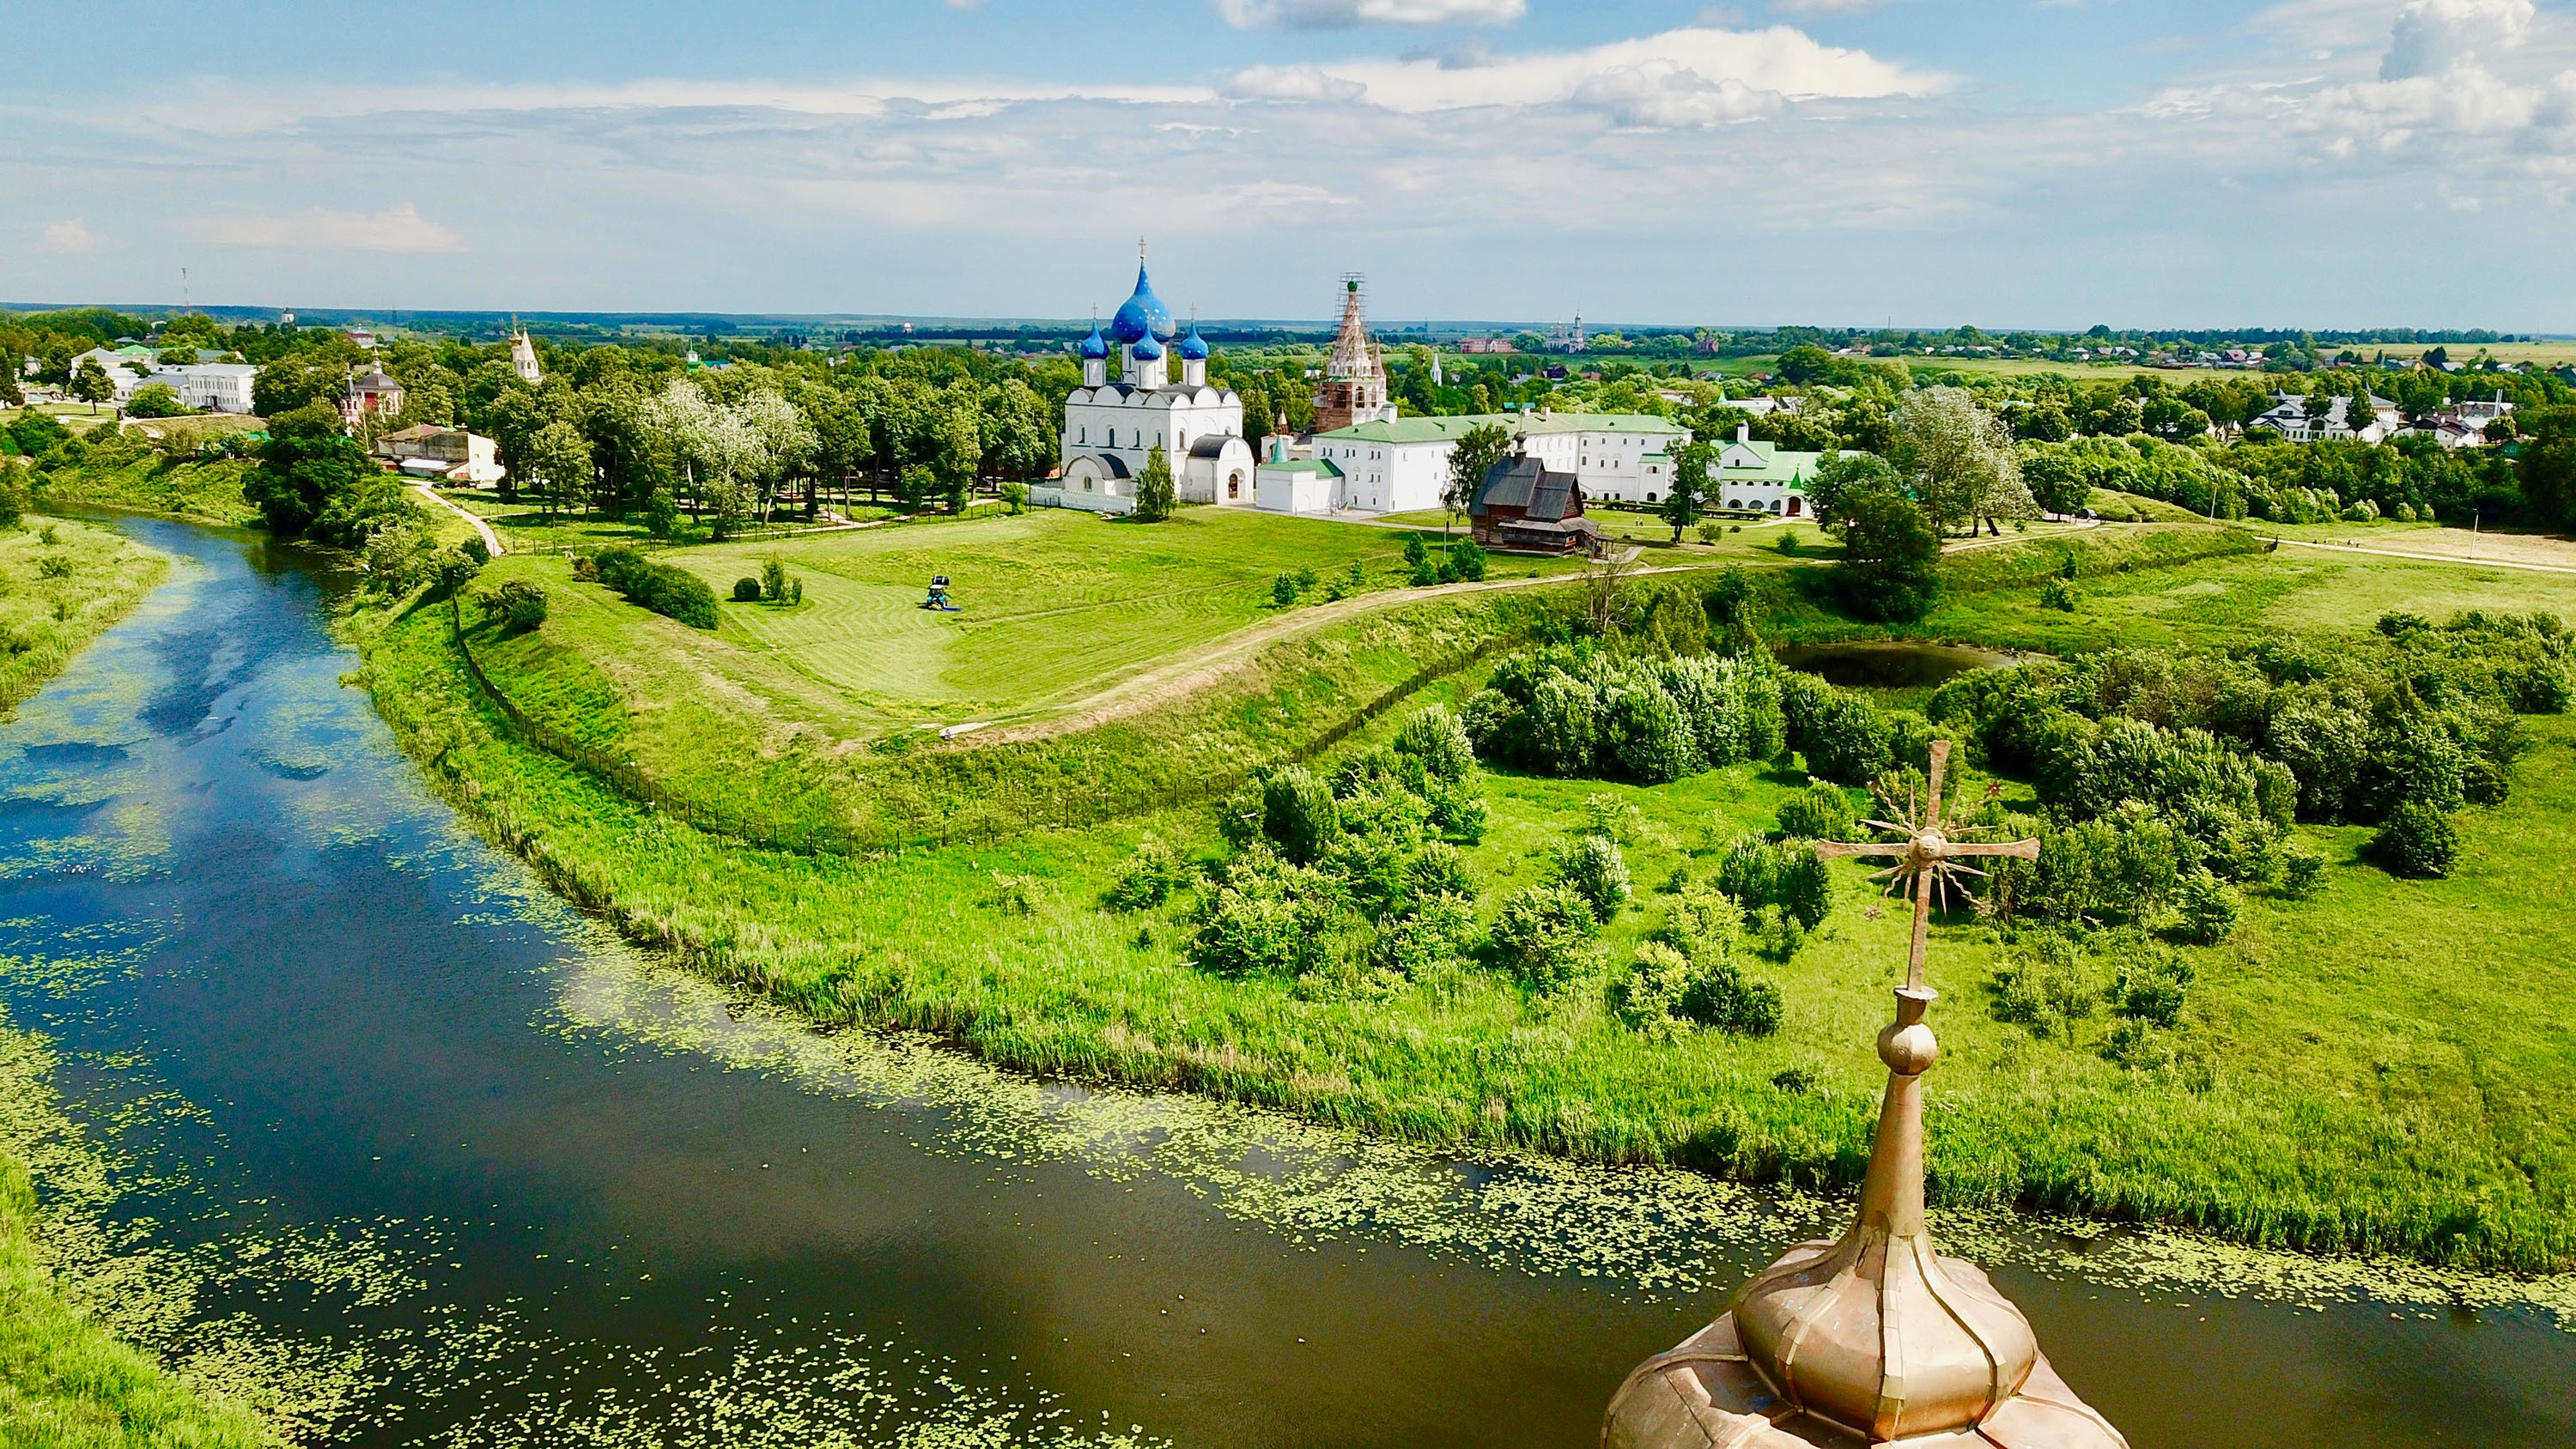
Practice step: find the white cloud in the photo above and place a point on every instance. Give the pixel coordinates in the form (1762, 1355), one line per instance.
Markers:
(1686, 77)
(1825, 7)
(72, 237)
(396, 229)
(1337, 14)
(2432, 36)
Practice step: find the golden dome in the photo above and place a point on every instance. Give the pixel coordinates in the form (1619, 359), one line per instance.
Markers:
(1873, 1338)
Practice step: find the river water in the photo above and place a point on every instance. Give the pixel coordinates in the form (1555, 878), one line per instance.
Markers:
(393, 1140)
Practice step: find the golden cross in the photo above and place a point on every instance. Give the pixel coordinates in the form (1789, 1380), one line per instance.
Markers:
(1928, 857)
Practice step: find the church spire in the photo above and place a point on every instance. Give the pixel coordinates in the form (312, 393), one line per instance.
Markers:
(1873, 1338)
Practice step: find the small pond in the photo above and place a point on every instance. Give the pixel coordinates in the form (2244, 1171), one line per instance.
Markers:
(1889, 663)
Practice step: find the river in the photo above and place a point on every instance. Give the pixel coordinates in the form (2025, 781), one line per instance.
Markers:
(391, 1137)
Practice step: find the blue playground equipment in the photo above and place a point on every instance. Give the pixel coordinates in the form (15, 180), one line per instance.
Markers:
(938, 601)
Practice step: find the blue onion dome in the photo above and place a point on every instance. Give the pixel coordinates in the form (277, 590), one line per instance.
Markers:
(1194, 348)
(1095, 347)
(1147, 349)
(1143, 315)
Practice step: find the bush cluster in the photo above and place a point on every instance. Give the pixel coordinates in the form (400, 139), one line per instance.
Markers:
(1457, 562)
(1688, 975)
(671, 592)
(2154, 765)
(1356, 874)
(1578, 711)
(514, 604)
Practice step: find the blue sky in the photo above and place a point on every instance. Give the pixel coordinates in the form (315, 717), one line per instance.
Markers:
(2006, 162)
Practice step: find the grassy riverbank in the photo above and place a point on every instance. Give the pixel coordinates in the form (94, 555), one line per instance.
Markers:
(65, 1383)
(2348, 1085)
(62, 584)
(197, 492)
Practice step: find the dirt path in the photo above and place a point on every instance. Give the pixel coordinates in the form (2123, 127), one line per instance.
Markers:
(491, 540)
(2463, 560)
(1179, 678)
(1966, 545)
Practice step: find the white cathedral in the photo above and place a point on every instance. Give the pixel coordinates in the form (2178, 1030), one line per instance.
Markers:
(1110, 428)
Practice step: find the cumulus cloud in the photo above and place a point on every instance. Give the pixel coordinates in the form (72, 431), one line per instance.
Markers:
(1693, 76)
(72, 237)
(1337, 14)
(397, 229)
(2435, 35)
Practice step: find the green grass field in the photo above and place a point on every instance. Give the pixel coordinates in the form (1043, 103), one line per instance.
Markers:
(2358, 1092)
(46, 619)
(2377, 1069)
(800, 714)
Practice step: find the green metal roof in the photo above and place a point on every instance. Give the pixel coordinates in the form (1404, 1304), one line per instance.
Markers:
(1777, 466)
(1305, 465)
(1434, 430)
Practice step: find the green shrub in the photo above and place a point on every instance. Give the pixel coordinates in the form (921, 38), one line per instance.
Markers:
(2303, 870)
(746, 591)
(1467, 562)
(1149, 876)
(2418, 841)
(1688, 973)
(515, 604)
(1613, 819)
(1789, 876)
(2060, 595)
(1543, 937)
(54, 566)
(1265, 917)
(1821, 812)
(1437, 934)
(1594, 869)
(1299, 814)
(155, 400)
(1283, 592)
(1439, 741)
(2207, 908)
(670, 592)
(2150, 984)
(774, 582)
(2048, 986)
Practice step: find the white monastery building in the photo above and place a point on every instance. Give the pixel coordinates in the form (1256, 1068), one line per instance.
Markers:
(1378, 462)
(1112, 427)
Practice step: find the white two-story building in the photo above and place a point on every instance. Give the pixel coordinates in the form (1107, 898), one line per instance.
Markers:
(1402, 466)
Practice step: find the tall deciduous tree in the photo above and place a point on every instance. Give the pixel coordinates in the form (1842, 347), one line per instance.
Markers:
(1959, 460)
(1842, 477)
(1891, 565)
(1478, 450)
(1683, 506)
(1155, 495)
(558, 460)
(90, 384)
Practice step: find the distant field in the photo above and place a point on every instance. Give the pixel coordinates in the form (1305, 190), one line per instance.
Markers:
(2547, 354)
(2484, 545)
